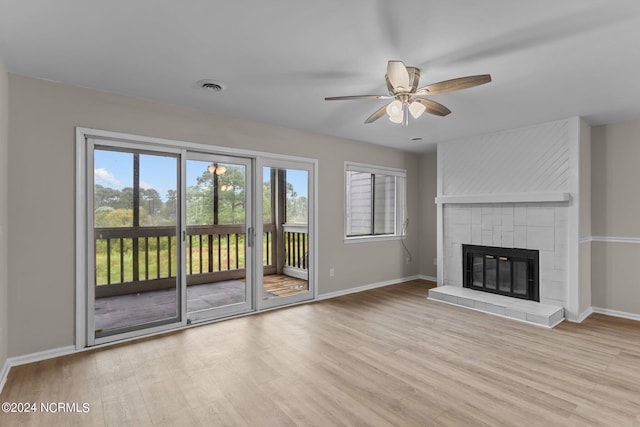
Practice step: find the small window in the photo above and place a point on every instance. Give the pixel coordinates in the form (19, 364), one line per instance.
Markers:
(374, 201)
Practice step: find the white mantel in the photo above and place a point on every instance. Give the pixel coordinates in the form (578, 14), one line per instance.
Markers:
(556, 196)
(516, 188)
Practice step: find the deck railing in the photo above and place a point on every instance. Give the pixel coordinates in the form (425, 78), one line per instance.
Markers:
(296, 246)
(130, 259)
(137, 259)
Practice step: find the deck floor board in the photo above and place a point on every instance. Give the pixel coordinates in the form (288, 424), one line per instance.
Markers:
(134, 309)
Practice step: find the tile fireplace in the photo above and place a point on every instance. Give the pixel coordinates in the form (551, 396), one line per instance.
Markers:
(518, 188)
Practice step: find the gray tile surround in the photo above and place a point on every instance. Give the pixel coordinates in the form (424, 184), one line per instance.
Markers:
(540, 226)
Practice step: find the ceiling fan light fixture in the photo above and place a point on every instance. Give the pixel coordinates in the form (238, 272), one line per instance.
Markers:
(394, 108)
(217, 169)
(416, 109)
(395, 111)
(398, 118)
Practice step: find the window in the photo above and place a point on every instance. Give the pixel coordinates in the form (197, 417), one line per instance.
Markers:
(374, 201)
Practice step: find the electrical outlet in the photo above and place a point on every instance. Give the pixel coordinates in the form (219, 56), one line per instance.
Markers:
(435, 261)
(407, 260)
(332, 272)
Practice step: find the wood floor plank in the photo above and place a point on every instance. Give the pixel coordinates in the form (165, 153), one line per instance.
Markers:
(387, 356)
(127, 408)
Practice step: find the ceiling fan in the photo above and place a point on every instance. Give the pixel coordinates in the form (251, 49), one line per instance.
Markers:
(402, 83)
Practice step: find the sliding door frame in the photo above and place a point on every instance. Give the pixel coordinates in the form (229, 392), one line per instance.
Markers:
(91, 144)
(83, 232)
(312, 293)
(248, 305)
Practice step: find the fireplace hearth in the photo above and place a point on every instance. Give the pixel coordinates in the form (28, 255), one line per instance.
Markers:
(505, 271)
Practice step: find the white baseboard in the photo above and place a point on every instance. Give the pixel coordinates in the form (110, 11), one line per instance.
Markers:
(4, 374)
(583, 315)
(30, 358)
(429, 278)
(41, 355)
(580, 317)
(365, 287)
(616, 313)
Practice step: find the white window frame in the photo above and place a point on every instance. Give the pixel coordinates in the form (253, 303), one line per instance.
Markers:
(400, 202)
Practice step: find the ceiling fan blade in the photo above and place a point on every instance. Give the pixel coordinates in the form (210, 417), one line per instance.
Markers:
(342, 98)
(398, 75)
(378, 113)
(454, 84)
(433, 107)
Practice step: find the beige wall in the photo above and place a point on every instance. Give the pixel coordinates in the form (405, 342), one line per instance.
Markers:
(615, 269)
(4, 278)
(615, 178)
(42, 196)
(427, 224)
(615, 210)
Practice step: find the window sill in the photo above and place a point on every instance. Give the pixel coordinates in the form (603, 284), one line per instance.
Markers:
(369, 239)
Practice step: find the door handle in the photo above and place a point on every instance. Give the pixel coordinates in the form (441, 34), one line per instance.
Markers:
(250, 237)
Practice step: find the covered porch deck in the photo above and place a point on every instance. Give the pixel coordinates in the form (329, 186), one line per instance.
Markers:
(119, 311)
(138, 282)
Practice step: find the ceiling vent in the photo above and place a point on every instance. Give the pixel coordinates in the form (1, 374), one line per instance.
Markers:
(210, 85)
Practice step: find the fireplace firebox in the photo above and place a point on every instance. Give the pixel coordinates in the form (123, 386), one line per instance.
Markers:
(505, 271)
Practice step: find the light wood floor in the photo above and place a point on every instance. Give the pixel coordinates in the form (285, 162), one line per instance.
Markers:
(382, 357)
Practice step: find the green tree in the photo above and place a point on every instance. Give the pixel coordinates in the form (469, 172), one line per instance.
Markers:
(126, 198)
(231, 198)
(297, 206)
(111, 197)
(151, 204)
(169, 208)
(266, 202)
(114, 208)
(199, 205)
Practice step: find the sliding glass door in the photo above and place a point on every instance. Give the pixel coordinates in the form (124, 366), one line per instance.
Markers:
(218, 236)
(168, 236)
(136, 240)
(151, 271)
(171, 239)
(287, 233)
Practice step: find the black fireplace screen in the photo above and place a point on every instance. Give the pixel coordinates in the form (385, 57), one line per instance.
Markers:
(505, 271)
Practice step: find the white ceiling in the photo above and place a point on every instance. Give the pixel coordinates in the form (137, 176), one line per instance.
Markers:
(278, 59)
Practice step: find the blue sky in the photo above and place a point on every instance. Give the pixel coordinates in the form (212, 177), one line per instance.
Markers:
(115, 170)
(297, 178)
